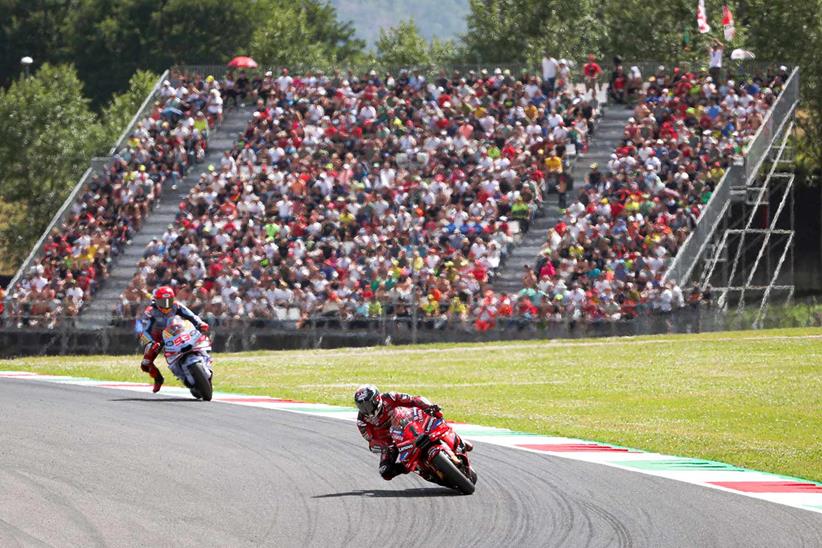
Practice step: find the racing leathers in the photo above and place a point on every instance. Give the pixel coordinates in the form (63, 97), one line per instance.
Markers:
(154, 322)
(376, 429)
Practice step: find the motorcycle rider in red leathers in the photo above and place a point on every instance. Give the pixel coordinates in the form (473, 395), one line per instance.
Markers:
(156, 318)
(374, 422)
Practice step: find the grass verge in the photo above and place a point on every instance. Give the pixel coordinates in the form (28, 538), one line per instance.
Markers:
(752, 399)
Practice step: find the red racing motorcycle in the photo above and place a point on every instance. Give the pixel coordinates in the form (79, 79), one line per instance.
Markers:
(431, 448)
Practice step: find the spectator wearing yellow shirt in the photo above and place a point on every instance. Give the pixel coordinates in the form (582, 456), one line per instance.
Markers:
(716, 172)
(201, 124)
(457, 311)
(553, 164)
(522, 213)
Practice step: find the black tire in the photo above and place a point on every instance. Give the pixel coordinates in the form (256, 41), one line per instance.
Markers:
(452, 474)
(201, 382)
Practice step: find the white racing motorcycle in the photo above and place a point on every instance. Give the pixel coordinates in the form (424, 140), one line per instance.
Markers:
(187, 353)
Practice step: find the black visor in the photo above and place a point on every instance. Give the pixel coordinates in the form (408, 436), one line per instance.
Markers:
(165, 302)
(367, 407)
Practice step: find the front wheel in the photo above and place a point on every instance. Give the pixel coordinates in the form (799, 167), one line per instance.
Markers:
(202, 384)
(452, 474)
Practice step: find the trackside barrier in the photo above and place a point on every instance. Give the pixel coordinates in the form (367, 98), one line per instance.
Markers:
(65, 210)
(245, 335)
(740, 175)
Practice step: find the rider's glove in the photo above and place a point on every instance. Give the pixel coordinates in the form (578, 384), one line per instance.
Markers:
(434, 410)
(203, 328)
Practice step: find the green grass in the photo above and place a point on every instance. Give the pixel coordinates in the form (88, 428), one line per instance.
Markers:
(752, 399)
(5, 267)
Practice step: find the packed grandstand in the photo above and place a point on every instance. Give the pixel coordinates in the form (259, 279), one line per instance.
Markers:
(350, 197)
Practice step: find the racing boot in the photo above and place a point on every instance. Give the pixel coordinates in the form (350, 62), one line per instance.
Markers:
(389, 471)
(467, 446)
(158, 380)
(154, 373)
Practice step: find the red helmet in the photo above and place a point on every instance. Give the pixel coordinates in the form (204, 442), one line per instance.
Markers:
(163, 298)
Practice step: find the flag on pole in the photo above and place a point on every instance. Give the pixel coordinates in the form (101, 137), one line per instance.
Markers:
(701, 18)
(728, 23)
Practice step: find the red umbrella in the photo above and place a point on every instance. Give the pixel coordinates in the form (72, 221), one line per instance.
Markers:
(242, 62)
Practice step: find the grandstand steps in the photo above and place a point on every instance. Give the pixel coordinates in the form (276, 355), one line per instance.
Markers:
(99, 312)
(604, 141)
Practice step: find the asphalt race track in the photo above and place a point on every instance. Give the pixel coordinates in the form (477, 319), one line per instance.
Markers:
(86, 466)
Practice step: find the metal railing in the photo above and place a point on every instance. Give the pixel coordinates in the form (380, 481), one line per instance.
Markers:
(739, 175)
(38, 247)
(244, 335)
(96, 164)
(140, 114)
(756, 151)
(647, 68)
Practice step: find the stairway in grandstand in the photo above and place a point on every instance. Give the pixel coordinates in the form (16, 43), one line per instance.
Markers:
(98, 313)
(605, 139)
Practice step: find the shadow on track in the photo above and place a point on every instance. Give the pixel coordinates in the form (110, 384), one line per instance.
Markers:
(156, 400)
(395, 493)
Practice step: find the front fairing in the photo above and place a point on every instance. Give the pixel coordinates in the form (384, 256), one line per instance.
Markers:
(180, 338)
(414, 427)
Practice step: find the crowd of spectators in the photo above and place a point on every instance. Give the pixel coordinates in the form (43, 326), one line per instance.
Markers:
(353, 197)
(606, 257)
(349, 199)
(112, 205)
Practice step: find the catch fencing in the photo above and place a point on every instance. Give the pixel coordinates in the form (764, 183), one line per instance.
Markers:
(320, 332)
(735, 69)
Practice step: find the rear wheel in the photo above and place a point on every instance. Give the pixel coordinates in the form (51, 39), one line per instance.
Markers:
(202, 384)
(452, 474)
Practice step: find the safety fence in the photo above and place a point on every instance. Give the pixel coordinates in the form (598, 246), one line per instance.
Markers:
(246, 335)
(735, 69)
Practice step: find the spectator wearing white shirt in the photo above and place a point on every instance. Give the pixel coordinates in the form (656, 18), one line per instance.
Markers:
(549, 74)
(715, 62)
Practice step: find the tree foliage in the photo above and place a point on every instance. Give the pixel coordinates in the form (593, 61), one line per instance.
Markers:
(47, 138)
(304, 33)
(515, 31)
(402, 46)
(122, 107)
(200, 31)
(47, 142)
(792, 32)
(108, 40)
(30, 28)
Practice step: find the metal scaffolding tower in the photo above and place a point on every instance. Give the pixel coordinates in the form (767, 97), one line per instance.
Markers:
(753, 259)
(743, 246)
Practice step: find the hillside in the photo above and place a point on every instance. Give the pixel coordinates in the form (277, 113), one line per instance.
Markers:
(440, 18)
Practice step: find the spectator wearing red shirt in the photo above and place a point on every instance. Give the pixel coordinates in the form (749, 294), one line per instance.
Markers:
(591, 70)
